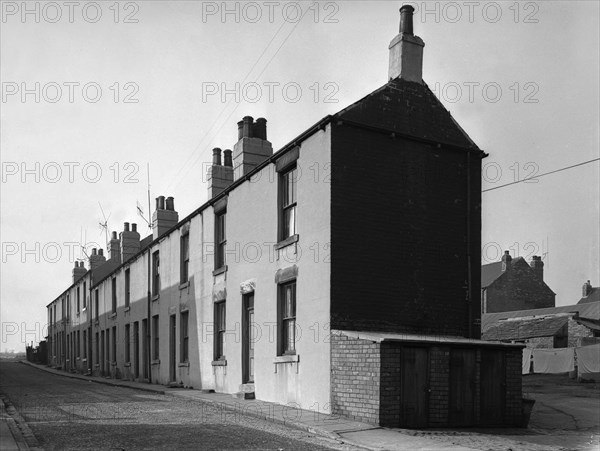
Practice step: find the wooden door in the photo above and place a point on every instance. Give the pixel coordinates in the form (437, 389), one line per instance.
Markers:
(248, 339)
(493, 385)
(414, 383)
(172, 349)
(461, 406)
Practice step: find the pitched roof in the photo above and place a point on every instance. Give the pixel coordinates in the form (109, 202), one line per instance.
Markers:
(489, 273)
(594, 296)
(589, 310)
(408, 108)
(543, 326)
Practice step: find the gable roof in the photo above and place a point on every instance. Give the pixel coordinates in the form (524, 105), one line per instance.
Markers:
(489, 273)
(594, 296)
(410, 109)
(590, 310)
(543, 326)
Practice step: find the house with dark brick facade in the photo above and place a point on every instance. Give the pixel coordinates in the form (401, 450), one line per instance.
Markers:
(336, 309)
(512, 284)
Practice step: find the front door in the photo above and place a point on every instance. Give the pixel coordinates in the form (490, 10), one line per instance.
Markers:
(414, 383)
(136, 349)
(249, 339)
(172, 349)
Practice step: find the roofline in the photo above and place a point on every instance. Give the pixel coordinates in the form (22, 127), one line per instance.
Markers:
(320, 125)
(70, 286)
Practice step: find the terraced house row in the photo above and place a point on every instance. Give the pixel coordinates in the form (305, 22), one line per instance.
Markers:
(353, 288)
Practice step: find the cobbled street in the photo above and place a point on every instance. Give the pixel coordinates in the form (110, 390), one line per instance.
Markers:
(71, 414)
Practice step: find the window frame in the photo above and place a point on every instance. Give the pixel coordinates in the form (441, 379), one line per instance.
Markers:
(114, 295)
(184, 258)
(220, 239)
(285, 318)
(84, 295)
(78, 298)
(220, 328)
(156, 273)
(286, 204)
(127, 275)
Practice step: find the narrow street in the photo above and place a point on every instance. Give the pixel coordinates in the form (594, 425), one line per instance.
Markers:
(71, 414)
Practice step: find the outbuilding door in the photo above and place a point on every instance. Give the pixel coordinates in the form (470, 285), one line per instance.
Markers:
(493, 378)
(414, 383)
(461, 406)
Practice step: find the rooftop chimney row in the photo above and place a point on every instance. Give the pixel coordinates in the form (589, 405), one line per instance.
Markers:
(406, 50)
(252, 147)
(78, 271)
(130, 241)
(97, 258)
(165, 217)
(538, 266)
(220, 177)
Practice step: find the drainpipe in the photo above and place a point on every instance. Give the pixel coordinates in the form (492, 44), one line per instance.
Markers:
(469, 266)
(148, 324)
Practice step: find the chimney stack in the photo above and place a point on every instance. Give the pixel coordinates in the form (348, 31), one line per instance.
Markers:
(506, 259)
(586, 289)
(165, 217)
(114, 248)
(406, 50)
(78, 271)
(130, 241)
(97, 259)
(252, 147)
(538, 266)
(219, 177)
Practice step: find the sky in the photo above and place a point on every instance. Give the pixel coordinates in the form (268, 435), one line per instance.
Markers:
(96, 93)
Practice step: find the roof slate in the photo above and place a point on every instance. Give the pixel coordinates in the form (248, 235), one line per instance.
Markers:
(594, 296)
(527, 328)
(589, 310)
(408, 108)
(489, 273)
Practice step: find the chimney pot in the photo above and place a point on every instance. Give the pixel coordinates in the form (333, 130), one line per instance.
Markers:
(260, 128)
(76, 264)
(227, 160)
(247, 126)
(170, 203)
(406, 19)
(94, 251)
(240, 130)
(161, 203)
(100, 251)
(114, 235)
(126, 227)
(216, 156)
(134, 227)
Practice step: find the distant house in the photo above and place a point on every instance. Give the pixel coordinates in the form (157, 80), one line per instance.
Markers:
(512, 285)
(589, 293)
(557, 327)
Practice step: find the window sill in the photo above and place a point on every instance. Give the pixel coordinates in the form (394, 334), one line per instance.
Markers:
(284, 243)
(127, 309)
(113, 315)
(292, 358)
(181, 364)
(219, 362)
(113, 363)
(184, 285)
(221, 270)
(156, 362)
(155, 297)
(127, 365)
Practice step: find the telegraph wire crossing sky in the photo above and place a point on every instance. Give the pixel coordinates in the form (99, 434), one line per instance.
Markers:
(143, 92)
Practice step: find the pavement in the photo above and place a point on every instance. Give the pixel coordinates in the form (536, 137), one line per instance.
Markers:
(340, 429)
(343, 430)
